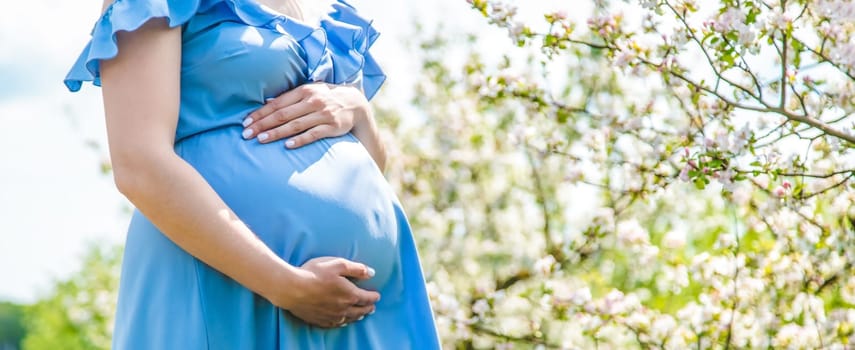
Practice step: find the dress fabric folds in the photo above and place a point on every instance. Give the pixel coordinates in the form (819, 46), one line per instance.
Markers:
(327, 198)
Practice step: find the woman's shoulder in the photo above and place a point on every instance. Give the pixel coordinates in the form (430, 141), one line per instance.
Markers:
(117, 12)
(124, 15)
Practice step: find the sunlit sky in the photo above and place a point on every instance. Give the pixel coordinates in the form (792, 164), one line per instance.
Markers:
(54, 201)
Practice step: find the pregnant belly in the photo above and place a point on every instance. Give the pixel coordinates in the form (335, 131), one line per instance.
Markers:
(324, 199)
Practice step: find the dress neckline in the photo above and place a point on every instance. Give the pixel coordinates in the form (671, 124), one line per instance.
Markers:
(272, 12)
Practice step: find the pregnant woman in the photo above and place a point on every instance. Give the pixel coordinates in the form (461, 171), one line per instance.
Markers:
(240, 242)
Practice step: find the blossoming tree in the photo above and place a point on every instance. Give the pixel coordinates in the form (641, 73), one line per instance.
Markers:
(659, 174)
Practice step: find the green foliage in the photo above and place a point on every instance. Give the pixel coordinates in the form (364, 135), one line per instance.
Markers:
(11, 325)
(78, 314)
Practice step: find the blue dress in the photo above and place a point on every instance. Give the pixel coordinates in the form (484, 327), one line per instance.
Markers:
(324, 199)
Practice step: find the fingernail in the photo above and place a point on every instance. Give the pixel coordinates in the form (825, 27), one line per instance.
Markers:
(263, 136)
(247, 133)
(247, 121)
(372, 312)
(289, 143)
(370, 272)
(268, 99)
(360, 318)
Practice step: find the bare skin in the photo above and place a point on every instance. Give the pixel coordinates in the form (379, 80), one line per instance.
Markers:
(141, 98)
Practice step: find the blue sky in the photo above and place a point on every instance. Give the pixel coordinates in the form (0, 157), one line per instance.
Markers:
(53, 199)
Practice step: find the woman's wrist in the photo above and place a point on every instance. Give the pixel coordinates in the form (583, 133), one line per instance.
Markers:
(282, 285)
(363, 122)
(365, 129)
(369, 135)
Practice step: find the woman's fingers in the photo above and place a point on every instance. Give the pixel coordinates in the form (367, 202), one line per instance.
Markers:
(263, 120)
(324, 318)
(312, 135)
(364, 297)
(356, 313)
(289, 98)
(291, 128)
(323, 322)
(355, 269)
(347, 268)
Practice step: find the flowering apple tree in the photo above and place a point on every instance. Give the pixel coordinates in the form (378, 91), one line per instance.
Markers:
(656, 174)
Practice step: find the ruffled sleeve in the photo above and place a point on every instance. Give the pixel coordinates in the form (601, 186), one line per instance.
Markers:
(350, 37)
(123, 15)
(336, 52)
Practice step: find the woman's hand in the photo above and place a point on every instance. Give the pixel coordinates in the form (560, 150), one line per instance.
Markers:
(311, 112)
(314, 111)
(322, 294)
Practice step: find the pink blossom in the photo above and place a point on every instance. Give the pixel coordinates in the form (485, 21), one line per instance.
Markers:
(684, 174)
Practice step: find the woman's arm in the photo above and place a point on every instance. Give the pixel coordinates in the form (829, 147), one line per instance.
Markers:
(141, 89)
(315, 111)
